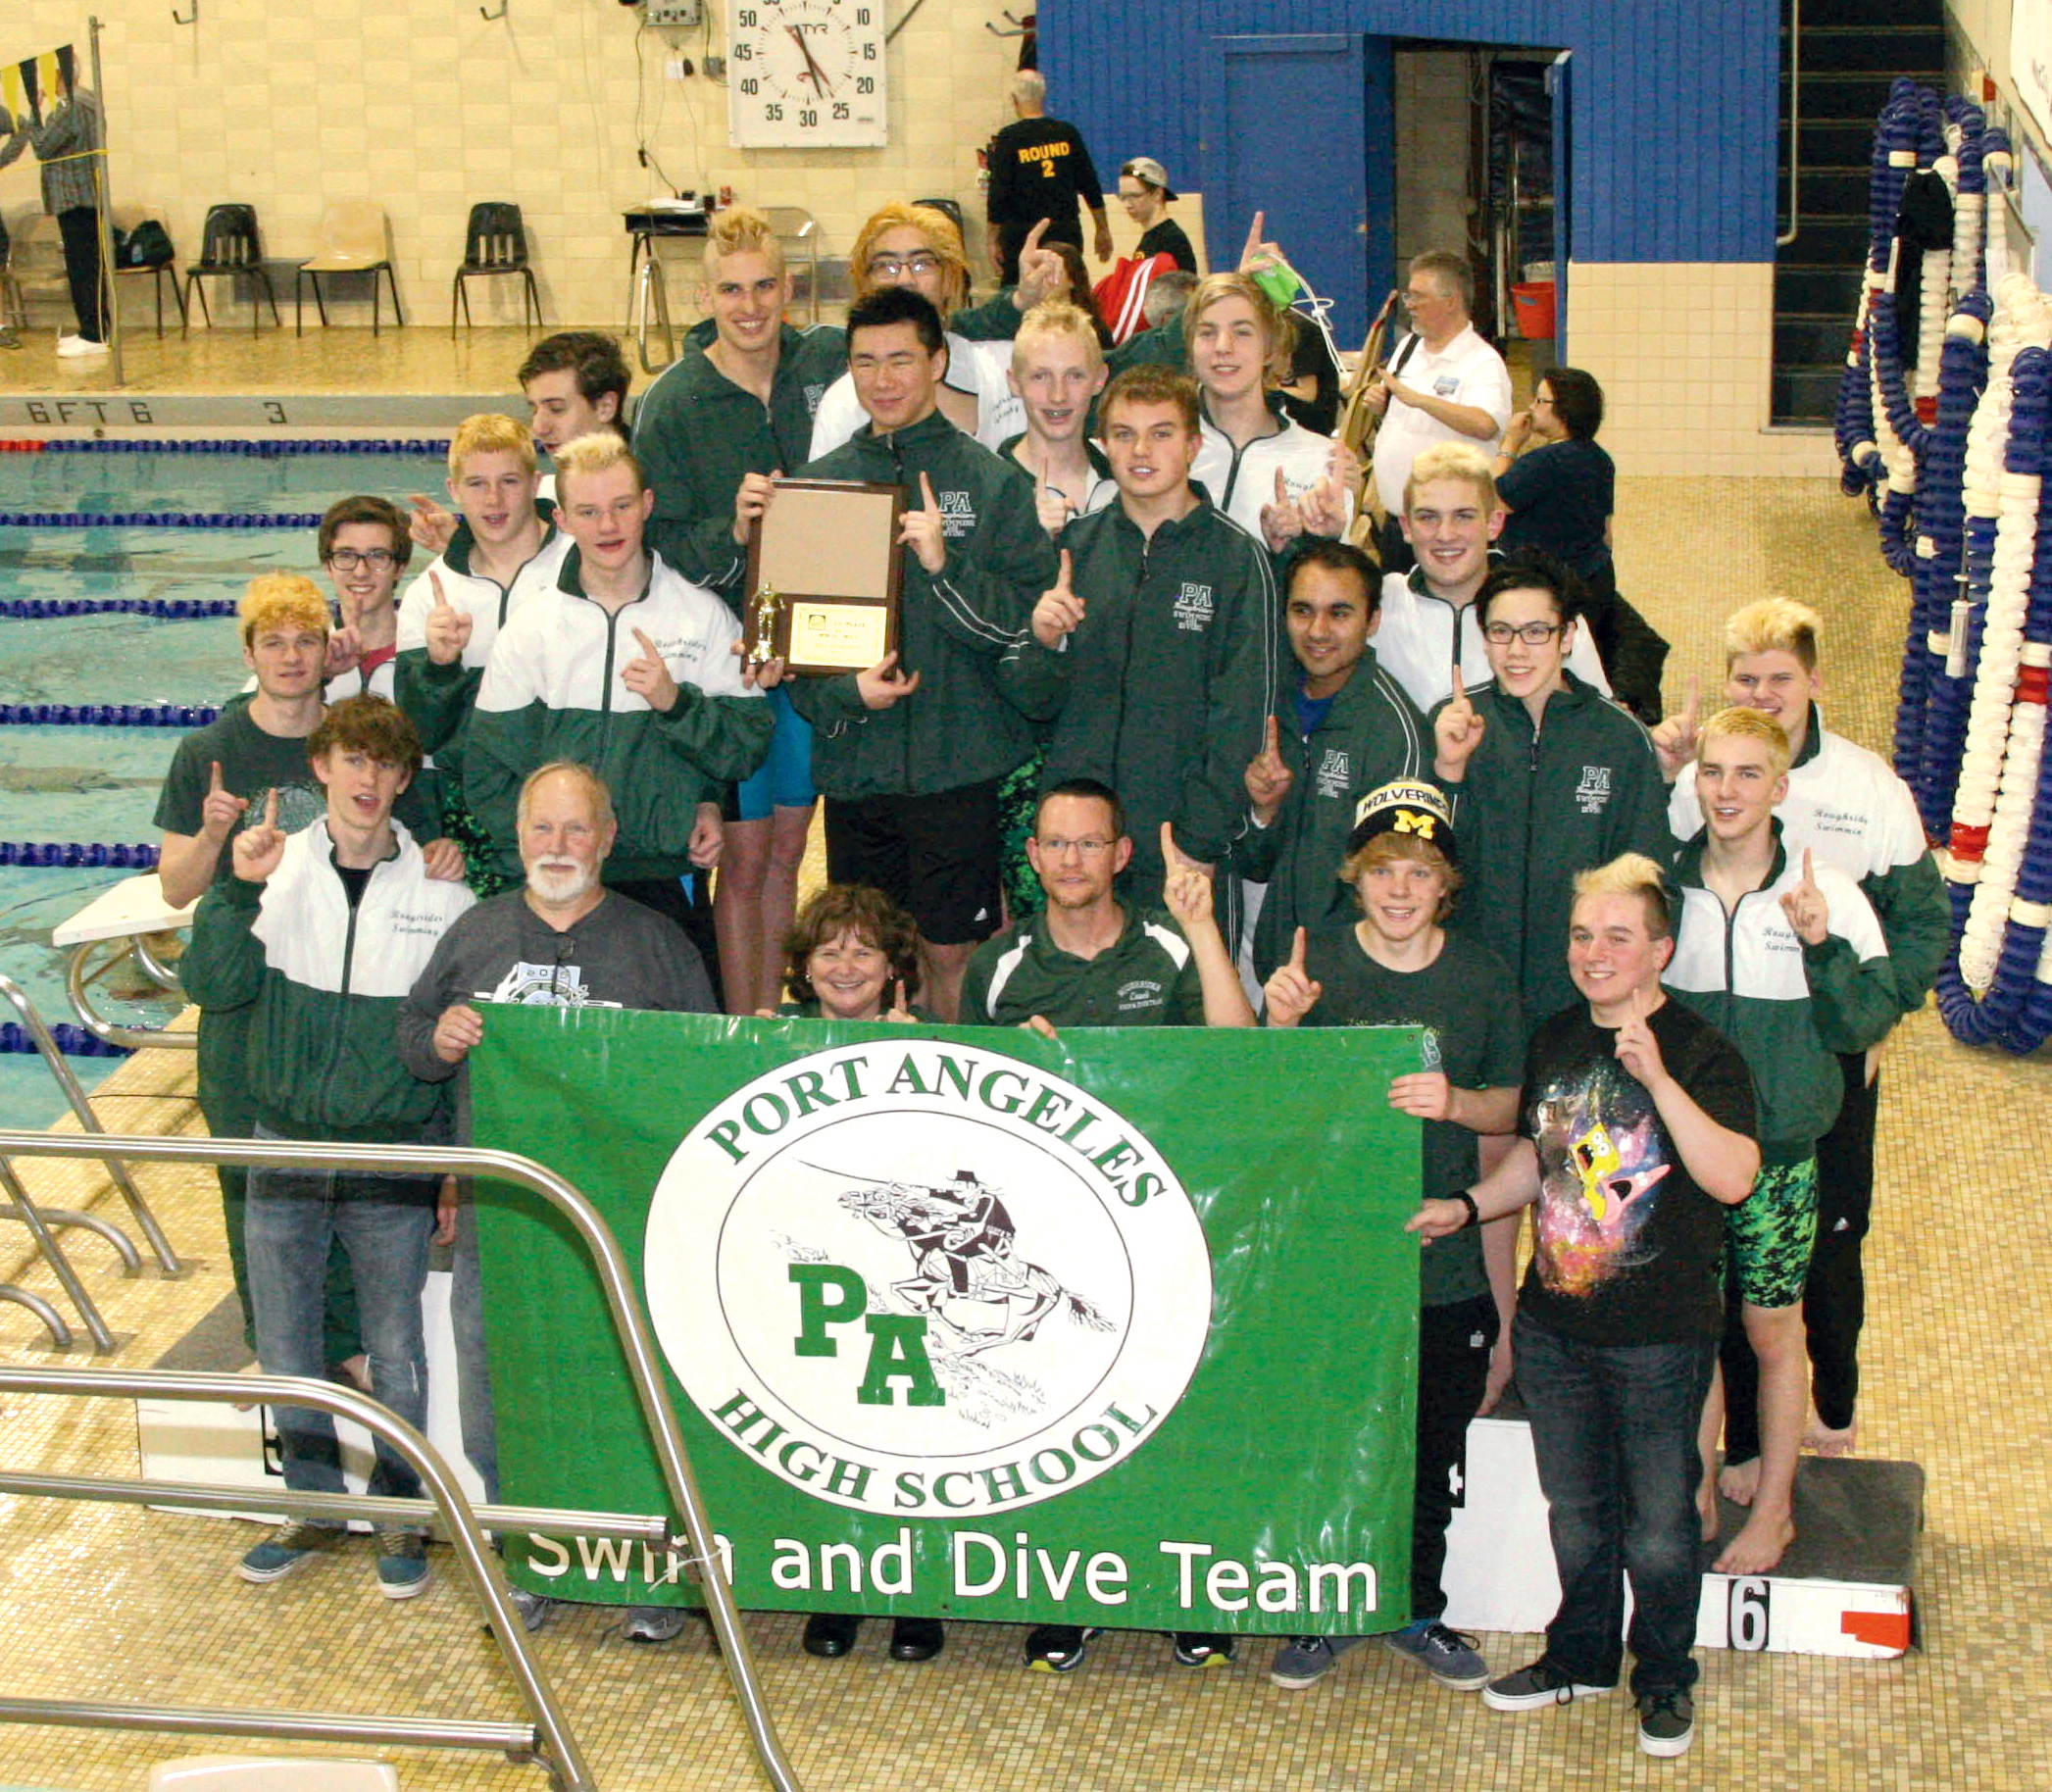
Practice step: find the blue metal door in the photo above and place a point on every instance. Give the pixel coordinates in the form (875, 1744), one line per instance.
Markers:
(1291, 127)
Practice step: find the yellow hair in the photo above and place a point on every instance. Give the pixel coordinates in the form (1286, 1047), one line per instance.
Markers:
(1453, 460)
(1774, 625)
(1741, 723)
(490, 434)
(942, 238)
(277, 600)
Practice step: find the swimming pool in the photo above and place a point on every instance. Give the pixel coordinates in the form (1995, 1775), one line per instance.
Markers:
(210, 521)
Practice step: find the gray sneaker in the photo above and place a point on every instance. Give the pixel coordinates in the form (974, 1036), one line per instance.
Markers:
(536, 1609)
(1305, 1660)
(402, 1564)
(1667, 1722)
(1448, 1656)
(1538, 1684)
(292, 1546)
(653, 1623)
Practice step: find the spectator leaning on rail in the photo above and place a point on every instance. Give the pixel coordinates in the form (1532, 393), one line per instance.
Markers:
(320, 934)
(563, 940)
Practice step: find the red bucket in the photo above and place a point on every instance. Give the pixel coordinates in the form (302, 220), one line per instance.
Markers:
(1533, 301)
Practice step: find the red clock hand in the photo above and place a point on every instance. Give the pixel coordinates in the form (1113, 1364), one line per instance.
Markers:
(813, 72)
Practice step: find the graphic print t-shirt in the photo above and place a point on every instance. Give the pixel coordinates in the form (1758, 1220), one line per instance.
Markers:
(1627, 1245)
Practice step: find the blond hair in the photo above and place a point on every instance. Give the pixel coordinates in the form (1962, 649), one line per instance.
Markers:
(1460, 461)
(599, 452)
(1057, 317)
(1282, 334)
(1388, 848)
(488, 432)
(1774, 625)
(942, 239)
(1631, 875)
(1737, 722)
(741, 230)
(275, 600)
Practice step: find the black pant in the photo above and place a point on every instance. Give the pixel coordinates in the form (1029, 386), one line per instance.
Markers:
(1835, 1298)
(691, 912)
(1391, 549)
(81, 228)
(1454, 1342)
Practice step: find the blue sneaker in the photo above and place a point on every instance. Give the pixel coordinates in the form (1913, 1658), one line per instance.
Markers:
(292, 1547)
(402, 1564)
(1448, 1656)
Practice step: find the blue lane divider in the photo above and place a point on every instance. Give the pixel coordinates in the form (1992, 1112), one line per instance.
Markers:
(71, 1042)
(160, 520)
(176, 609)
(108, 715)
(141, 856)
(262, 450)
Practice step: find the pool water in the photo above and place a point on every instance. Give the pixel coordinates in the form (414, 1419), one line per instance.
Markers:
(99, 785)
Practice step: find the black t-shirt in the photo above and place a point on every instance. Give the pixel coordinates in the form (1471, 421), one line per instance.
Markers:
(1467, 1002)
(1561, 496)
(1312, 359)
(1168, 237)
(1040, 167)
(1626, 1245)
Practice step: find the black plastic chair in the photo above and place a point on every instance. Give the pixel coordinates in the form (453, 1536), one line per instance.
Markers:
(229, 245)
(495, 242)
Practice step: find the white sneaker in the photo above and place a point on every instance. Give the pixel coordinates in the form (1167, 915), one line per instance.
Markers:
(70, 348)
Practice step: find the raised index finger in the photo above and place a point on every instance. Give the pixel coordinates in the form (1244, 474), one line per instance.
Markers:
(1275, 739)
(1170, 855)
(648, 647)
(434, 579)
(1254, 234)
(1296, 951)
(1033, 237)
(925, 491)
(1809, 874)
(215, 787)
(271, 806)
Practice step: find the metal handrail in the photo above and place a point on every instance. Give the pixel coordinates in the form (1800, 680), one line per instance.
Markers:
(1795, 112)
(55, 1216)
(59, 1332)
(30, 1216)
(549, 1735)
(117, 1171)
(630, 1322)
(136, 1038)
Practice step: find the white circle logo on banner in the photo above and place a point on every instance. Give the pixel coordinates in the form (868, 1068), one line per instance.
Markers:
(926, 1280)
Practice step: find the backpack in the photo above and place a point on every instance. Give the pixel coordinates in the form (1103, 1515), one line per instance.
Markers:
(148, 245)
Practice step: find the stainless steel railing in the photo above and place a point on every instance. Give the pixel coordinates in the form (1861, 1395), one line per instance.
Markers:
(631, 1323)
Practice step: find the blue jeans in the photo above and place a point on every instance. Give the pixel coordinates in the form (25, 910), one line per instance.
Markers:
(384, 1223)
(1614, 1430)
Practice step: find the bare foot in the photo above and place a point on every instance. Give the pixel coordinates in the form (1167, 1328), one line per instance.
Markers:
(1819, 1436)
(1738, 1482)
(1759, 1546)
(358, 1371)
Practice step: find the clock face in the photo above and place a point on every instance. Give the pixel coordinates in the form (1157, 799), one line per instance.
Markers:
(803, 72)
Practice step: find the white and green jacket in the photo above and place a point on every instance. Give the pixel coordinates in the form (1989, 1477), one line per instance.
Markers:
(552, 690)
(1788, 1007)
(437, 699)
(1850, 809)
(323, 983)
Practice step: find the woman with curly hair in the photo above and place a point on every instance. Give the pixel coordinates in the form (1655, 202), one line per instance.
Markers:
(851, 955)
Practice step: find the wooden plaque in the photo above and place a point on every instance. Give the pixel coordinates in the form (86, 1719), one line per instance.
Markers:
(824, 572)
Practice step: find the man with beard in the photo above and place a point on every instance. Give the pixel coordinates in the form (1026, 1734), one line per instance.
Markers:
(563, 940)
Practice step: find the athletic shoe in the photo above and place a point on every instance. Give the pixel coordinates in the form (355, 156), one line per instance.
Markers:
(652, 1624)
(1667, 1722)
(1202, 1649)
(536, 1609)
(1543, 1683)
(1304, 1660)
(70, 348)
(292, 1547)
(1058, 1648)
(1448, 1656)
(402, 1564)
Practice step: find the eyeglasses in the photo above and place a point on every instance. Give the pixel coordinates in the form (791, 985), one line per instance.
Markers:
(1086, 849)
(347, 560)
(1412, 300)
(889, 267)
(1532, 635)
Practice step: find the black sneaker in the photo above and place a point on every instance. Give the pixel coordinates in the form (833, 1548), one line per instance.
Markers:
(1543, 1683)
(1058, 1648)
(1202, 1649)
(1667, 1722)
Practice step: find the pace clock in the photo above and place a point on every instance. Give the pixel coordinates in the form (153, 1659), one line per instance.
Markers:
(805, 73)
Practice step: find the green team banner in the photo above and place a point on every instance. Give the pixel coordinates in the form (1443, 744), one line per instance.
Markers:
(1115, 1329)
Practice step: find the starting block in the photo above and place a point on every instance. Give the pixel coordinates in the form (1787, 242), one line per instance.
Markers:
(1844, 1588)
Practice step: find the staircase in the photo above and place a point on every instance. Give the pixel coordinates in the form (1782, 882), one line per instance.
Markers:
(1850, 51)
